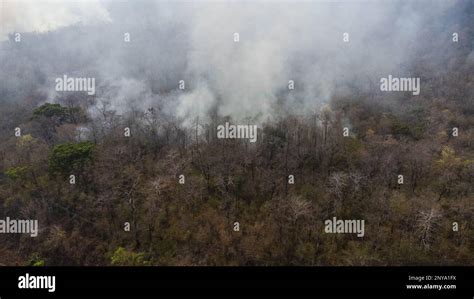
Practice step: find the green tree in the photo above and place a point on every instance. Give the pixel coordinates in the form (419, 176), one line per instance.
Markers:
(68, 157)
(50, 110)
(58, 114)
(124, 257)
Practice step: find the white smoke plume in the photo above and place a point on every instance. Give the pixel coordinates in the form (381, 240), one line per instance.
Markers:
(194, 41)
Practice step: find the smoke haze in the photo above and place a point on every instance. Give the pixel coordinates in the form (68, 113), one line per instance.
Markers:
(194, 42)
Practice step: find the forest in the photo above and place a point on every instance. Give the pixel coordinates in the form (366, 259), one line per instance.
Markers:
(141, 187)
(136, 179)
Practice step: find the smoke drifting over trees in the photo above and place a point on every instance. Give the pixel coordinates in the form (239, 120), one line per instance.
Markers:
(194, 42)
(143, 165)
